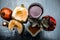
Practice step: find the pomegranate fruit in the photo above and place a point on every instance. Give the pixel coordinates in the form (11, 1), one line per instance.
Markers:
(6, 13)
(49, 23)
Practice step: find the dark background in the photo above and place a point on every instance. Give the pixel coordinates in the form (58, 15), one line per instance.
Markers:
(51, 7)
